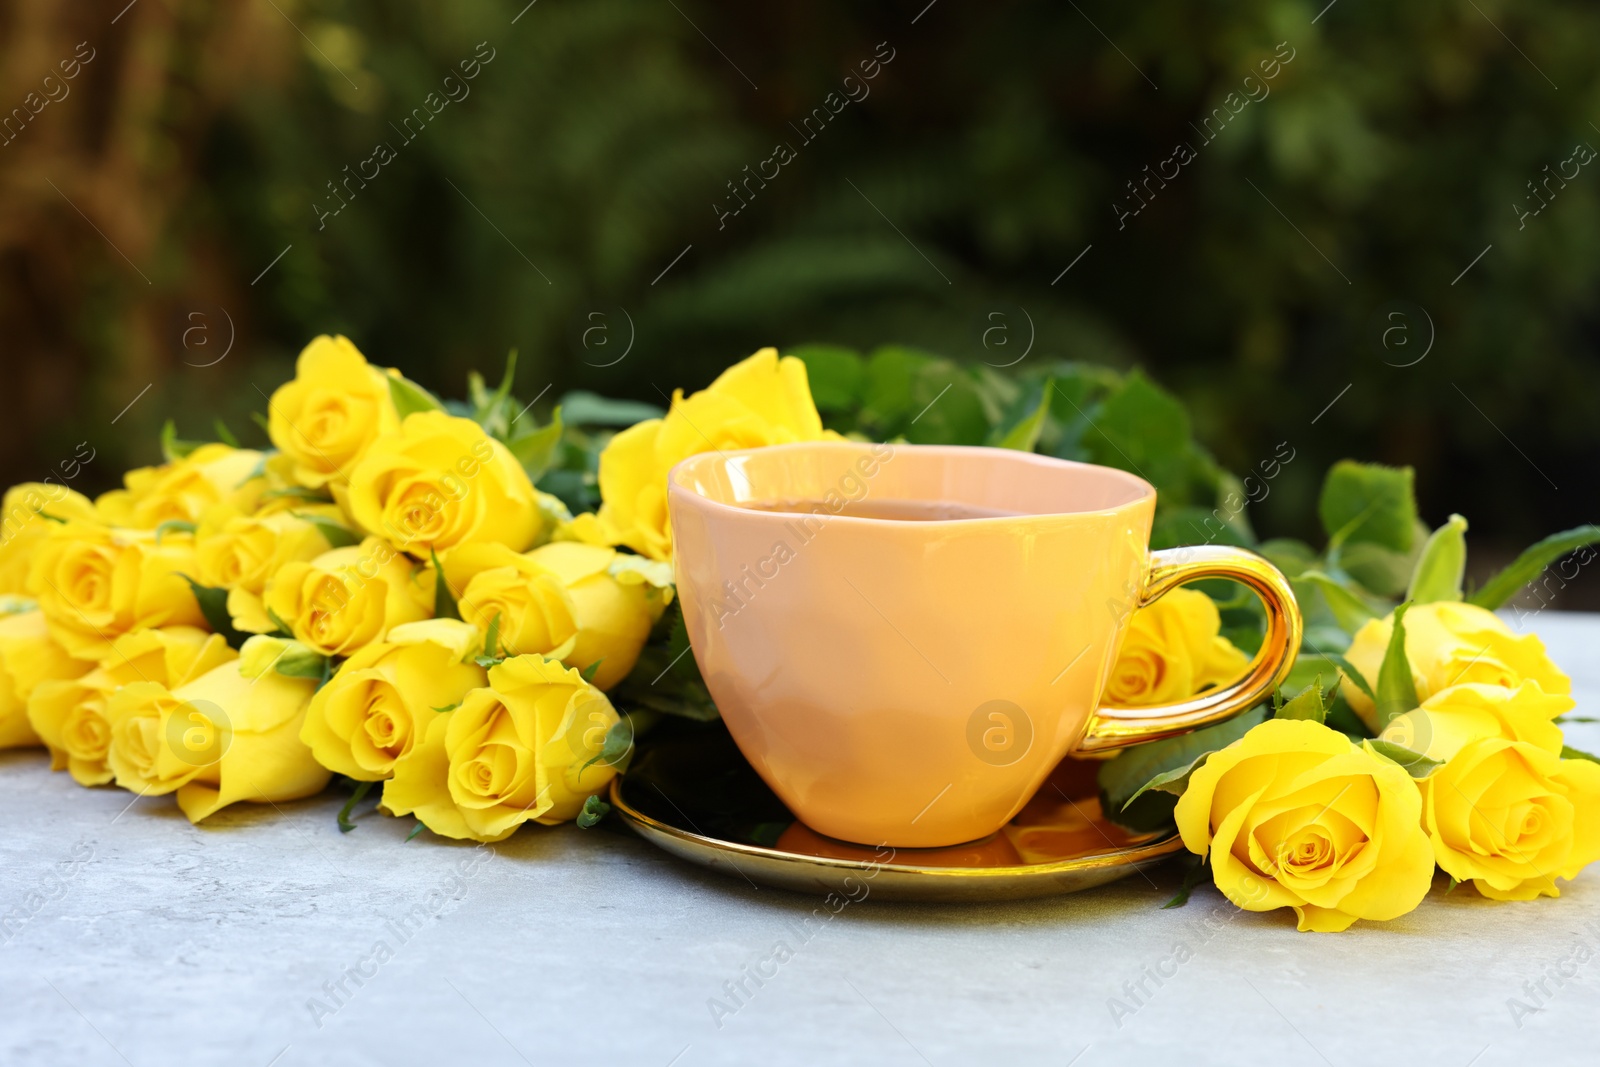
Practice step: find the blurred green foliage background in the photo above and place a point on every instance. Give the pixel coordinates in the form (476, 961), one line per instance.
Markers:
(974, 198)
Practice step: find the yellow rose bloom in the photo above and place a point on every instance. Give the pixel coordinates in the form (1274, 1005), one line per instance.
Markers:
(1173, 650)
(537, 615)
(215, 741)
(241, 553)
(27, 513)
(1505, 810)
(70, 715)
(30, 659)
(1294, 814)
(381, 703)
(182, 490)
(442, 482)
(326, 418)
(1449, 643)
(1452, 717)
(511, 752)
(1512, 816)
(615, 607)
(560, 601)
(762, 400)
(95, 583)
(349, 597)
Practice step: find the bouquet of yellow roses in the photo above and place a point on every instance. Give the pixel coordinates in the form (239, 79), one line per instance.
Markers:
(444, 598)
(384, 595)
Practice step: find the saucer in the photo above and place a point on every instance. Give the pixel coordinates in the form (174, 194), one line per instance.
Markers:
(695, 796)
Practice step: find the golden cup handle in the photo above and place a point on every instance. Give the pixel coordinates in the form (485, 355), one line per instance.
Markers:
(1117, 727)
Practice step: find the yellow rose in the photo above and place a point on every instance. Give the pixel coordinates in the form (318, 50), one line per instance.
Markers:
(1450, 643)
(216, 740)
(1295, 815)
(382, 701)
(326, 418)
(511, 752)
(442, 482)
(241, 553)
(616, 606)
(762, 400)
(1452, 717)
(30, 659)
(560, 601)
(1512, 816)
(182, 490)
(70, 715)
(96, 583)
(350, 597)
(1172, 651)
(26, 515)
(1505, 810)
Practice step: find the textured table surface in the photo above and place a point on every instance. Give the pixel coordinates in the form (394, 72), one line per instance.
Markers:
(149, 942)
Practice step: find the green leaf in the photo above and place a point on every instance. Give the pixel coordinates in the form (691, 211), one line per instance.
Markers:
(1192, 525)
(1377, 569)
(536, 449)
(415, 830)
(1291, 557)
(1120, 779)
(887, 401)
(410, 398)
(1397, 690)
(224, 434)
(1355, 676)
(618, 743)
(171, 447)
(1023, 435)
(284, 629)
(1144, 429)
(304, 663)
(948, 408)
(174, 524)
(336, 534)
(1368, 502)
(1528, 566)
(594, 809)
(444, 601)
(362, 789)
(591, 670)
(1192, 877)
(1350, 610)
(836, 375)
(1568, 752)
(449, 707)
(1441, 565)
(1342, 717)
(299, 492)
(1174, 781)
(262, 421)
(1415, 763)
(1310, 703)
(491, 639)
(213, 602)
(583, 408)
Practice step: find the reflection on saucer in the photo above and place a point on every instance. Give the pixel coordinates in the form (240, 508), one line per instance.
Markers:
(1047, 830)
(992, 851)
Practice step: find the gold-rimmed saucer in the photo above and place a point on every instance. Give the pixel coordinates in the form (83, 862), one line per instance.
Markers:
(696, 797)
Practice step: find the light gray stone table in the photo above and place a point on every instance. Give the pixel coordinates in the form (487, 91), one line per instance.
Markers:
(169, 944)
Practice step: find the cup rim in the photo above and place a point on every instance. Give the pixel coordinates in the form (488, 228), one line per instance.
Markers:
(676, 487)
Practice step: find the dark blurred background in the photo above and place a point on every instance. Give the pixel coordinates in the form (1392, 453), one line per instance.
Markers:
(1352, 261)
